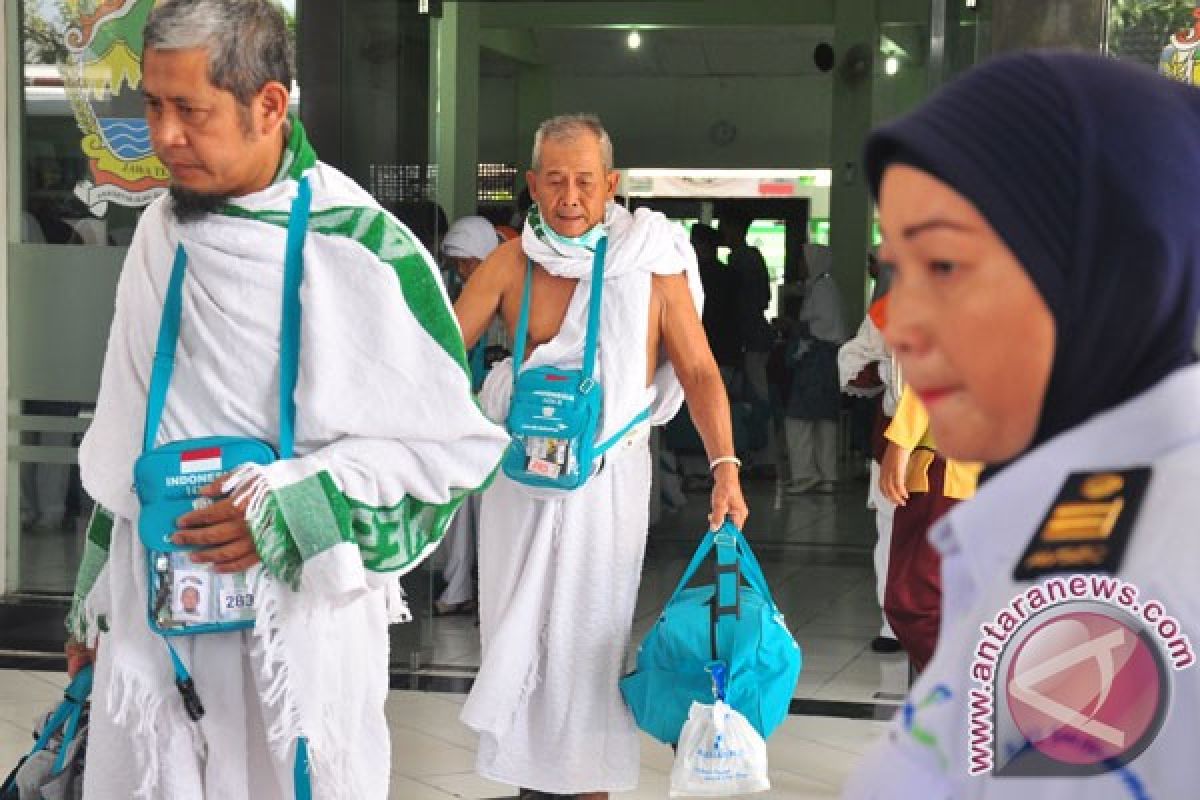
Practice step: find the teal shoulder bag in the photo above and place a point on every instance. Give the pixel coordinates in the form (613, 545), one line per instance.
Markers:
(188, 598)
(556, 414)
(731, 622)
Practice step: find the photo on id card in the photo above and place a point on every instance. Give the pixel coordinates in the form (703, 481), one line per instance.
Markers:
(191, 596)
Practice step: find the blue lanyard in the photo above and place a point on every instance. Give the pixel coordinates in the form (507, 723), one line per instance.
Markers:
(593, 325)
(478, 361)
(289, 338)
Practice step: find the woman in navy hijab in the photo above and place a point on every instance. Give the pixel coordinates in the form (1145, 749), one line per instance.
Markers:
(1042, 214)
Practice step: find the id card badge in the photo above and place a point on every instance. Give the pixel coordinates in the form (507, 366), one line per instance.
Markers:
(187, 597)
(547, 456)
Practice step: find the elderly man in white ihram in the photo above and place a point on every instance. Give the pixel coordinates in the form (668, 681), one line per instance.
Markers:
(559, 576)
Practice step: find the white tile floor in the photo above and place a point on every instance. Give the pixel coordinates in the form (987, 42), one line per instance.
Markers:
(816, 552)
(433, 754)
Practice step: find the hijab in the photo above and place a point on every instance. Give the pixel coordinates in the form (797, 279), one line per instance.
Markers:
(1089, 170)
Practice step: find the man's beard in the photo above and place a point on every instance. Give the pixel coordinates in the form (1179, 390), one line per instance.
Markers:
(189, 205)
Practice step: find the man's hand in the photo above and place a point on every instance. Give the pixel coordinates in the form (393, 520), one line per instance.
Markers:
(79, 656)
(220, 530)
(893, 473)
(727, 498)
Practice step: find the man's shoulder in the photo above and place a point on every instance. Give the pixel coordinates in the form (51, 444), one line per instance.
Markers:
(153, 225)
(344, 210)
(334, 188)
(507, 259)
(503, 269)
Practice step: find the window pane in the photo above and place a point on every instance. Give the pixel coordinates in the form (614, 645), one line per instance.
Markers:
(1158, 33)
(89, 168)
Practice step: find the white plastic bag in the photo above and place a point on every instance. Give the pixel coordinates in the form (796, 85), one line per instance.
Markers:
(720, 755)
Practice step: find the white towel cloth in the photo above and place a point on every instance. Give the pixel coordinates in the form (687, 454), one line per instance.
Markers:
(387, 433)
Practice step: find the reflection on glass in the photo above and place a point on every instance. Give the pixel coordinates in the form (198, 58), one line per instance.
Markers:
(89, 166)
(53, 506)
(1145, 30)
(1180, 59)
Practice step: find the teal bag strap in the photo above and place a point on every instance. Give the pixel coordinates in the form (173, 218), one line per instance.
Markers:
(732, 549)
(477, 359)
(593, 329)
(726, 608)
(608, 443)
(522, 332)
(67, 717)
(289, 337)
(302, 771)
(702, 551)
(164, 352)
(594, 306)
(289, 345)
(751, 569)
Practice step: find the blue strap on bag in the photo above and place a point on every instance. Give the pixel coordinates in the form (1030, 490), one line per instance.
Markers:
(168, 478)
(65, 720)
(556, 414)
(731, 625)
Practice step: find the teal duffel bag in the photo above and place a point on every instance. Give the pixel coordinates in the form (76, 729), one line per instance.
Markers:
(727, 622)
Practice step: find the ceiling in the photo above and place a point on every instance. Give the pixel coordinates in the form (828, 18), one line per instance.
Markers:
(680, 52)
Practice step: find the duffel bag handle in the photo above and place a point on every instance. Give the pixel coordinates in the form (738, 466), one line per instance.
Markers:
(702, 551)
(750, 568)
(66, 717)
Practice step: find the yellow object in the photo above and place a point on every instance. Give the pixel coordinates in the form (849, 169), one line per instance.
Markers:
(910, 430)
(1082, 521)
(1102, 486)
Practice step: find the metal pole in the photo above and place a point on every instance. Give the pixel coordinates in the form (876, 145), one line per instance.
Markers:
(10, 205)
(937, 43)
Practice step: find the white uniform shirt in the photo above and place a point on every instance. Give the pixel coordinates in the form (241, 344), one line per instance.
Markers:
(927, 752)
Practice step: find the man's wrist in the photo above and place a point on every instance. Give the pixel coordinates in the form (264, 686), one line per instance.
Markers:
(727, 470)
(723, 461)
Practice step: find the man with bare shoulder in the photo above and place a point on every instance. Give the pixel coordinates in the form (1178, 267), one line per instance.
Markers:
(559, 570)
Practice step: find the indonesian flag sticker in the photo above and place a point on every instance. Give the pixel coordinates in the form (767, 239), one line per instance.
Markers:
(205, 460)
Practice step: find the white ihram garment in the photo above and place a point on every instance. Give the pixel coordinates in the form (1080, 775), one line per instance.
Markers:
(559, 577)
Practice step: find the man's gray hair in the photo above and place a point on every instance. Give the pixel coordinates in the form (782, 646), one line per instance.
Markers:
(247, 41)
(570, 126)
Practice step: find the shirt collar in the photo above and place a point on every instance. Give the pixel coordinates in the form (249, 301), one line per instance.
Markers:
(993, 528)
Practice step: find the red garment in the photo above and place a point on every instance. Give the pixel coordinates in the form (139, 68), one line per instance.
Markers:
(912, 600)
(878, 312)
